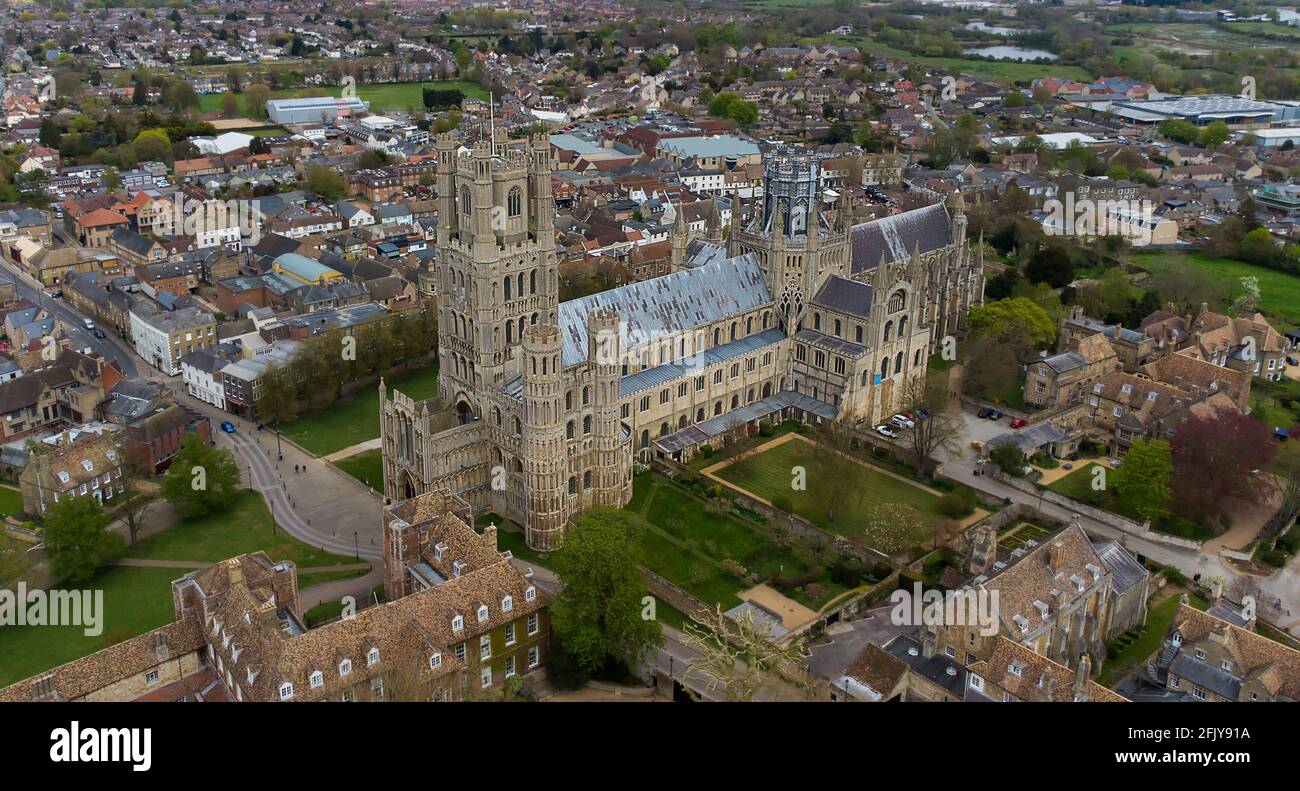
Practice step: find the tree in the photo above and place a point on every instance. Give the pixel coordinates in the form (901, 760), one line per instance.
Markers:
(730, 105)
(736, 656)
(1050, 265)
(940, 429)
(77, 538)
(15, 563)
(255, 97)
(1141, 481)
(1214, 135)
(1018, 321)
(1247, 302)
(229, 105)
(597, 615)
(137, 498)
(326, 182)
(1015, 99)
(1213, 459)
(201, 479)
(279, 401)
(1009, 458)
(987, 365)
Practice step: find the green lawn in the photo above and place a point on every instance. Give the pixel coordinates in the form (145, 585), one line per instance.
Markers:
(1077, 484)
(1137, 652)
(11, 501)
(768, 475)
(685, 542)
(135, 601)
(510, 536)
(1276, 404)
(356, 419)
(1279, 292)
(1005, 70)
(366, 466)
(245, 527)
(382, 96)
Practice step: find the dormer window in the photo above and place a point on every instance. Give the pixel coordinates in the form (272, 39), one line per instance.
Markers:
(482, 613)
(1126, 389)
(1097, 388)
(372, 657)
(1016, 668)
(87, 465)
(438, 550)
(345, 667)
(1152, 395)
(286, 690)
(507, 604)
(1176, 640)
(457, 623)
(317, 679)
(530, 594)
(435, 661)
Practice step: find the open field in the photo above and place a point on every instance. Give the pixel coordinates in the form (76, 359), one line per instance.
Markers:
(1279, 291)
(355, 419)
(135, 601)
(768, 475)
(1006, 70)
(11, 501)
(366, 466)
(382, 96)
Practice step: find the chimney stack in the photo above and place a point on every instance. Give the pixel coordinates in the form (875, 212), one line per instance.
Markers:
(1056, 558)
(490, 537)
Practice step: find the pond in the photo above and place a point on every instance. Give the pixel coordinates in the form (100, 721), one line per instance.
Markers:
(1004, 52)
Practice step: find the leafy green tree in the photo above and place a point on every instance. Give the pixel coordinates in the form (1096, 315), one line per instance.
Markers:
(1015, 99)
(1050, 265)
(730, 105)
(326, 182)
(1018, 322)
(1214, 135)
(201, 479)
(1141, 481)
(597, 616)
(77, 538)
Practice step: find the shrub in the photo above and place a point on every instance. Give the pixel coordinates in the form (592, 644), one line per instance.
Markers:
(1174, 575)
(881, 570)
(706, 451)
(1274, 557)
(766, 431)
(957, 504)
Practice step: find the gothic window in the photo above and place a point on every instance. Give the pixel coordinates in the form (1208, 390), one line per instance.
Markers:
(767, 389)
(817, 321)
(568, 430)
(898, 363)
(734, 328)
(735, 402)
(505, 285)
(681, 422)
(801, 352)
(717, 408)
(699, 415)
(837, 328)
(663, 429)
(902, 327)
(819, 359)
(857, 335)
(586, 396)
(916, 358)
(518, 426)
(865, 374)
(532, 288)
(884, 368)
(717, 337)
(466, 203)
(749, 325)
(897, 300)
(568, 400)
(889, 330)
(767, 318)
(645, 439)
(515, 202)
(573, 485)
(586, 425)
(510, 338)
(586, 480)
(839, 366)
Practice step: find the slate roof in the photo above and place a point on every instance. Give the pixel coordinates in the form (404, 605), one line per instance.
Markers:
(651, 377)
(666, 305)
(896, 236)
(844, 296)
(1125, 571)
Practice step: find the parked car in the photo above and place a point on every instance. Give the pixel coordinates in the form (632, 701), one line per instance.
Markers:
(90, 325)
(886, 431)
(922, 414)
(1019, 423)
(98, 333)
(228, 427)
(902, 421)
(989, 413)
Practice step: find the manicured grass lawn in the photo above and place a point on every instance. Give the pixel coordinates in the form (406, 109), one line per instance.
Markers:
(1279, 292)
(1077, 484)
(244, 527)
(768, 475)
(11, 501)
(366, 466)
(1157, 626)
(685, 541)
(135, 601)
(1267, 403)
(355, 420)
(382, 96)
(1022, 533)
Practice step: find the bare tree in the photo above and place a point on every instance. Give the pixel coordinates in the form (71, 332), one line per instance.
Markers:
(736, 656)
(138, 496)
(939, 429)
(833, 487)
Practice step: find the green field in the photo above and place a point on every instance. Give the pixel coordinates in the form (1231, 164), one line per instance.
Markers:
(1279, 292)
(11, 501)
(768, 475)
(366, 466)
(135, 601)
(356, 419)
(1004, 70)
(382, 96)
(1077, 484)
(245, 527)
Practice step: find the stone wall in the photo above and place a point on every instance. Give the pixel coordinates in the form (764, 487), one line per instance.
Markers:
(1105, 517)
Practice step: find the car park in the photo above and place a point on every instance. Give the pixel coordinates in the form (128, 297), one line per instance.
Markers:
(902, 421)
(886, 431)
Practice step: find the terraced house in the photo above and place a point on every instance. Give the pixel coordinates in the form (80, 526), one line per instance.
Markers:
(462, 622)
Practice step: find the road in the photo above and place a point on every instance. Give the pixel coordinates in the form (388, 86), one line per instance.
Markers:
(1284, 585)
(110, 348)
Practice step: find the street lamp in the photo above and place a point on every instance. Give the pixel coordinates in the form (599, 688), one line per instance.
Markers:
(278, 451)
(271, 502)
(356, 546)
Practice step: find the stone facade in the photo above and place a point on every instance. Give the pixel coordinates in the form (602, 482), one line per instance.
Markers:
(544, 405)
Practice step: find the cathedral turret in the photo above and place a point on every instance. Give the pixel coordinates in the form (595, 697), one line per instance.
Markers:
(713, 224)
(610, 471)
(542, 448)
(680, 238)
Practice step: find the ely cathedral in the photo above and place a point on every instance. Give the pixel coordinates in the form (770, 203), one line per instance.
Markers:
(543, 406)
